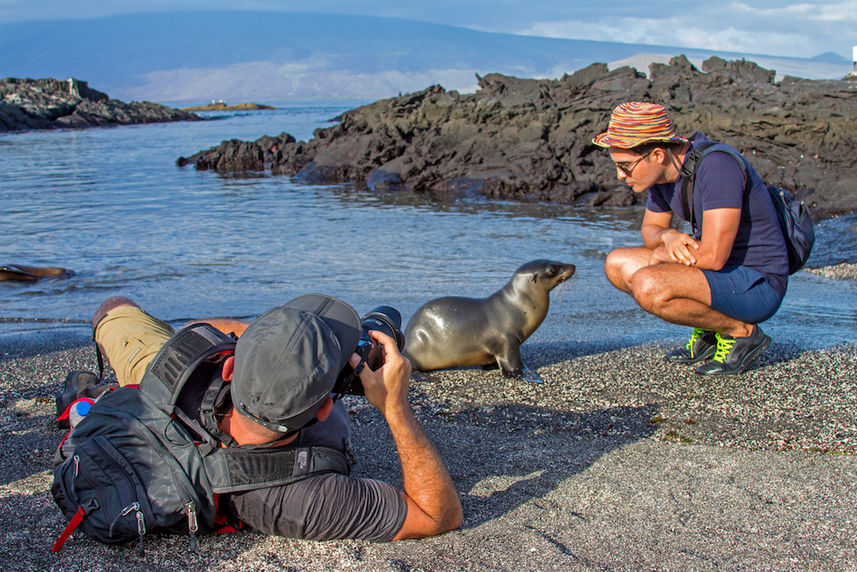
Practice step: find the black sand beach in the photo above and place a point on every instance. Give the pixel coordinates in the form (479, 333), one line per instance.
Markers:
(618, 461)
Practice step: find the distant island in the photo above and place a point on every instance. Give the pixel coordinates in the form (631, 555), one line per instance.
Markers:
(223, 106)
(52, 103)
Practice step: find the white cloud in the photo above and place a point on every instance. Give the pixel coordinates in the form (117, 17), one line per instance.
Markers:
(747, 34)
(841, 12)
(299, 66)
(268, 81)
(737, 40)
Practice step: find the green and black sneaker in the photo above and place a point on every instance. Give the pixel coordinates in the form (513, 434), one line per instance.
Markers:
(734, 355)
(700, 347)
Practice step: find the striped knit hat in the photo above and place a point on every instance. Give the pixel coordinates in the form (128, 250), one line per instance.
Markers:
(635, 123)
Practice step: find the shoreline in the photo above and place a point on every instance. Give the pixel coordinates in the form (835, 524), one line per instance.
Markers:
(618, 460)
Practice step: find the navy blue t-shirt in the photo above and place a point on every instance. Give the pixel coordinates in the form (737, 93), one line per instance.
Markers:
(720, 183)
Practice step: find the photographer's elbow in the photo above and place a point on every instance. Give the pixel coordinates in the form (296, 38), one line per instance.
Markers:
(456, 519)
(447, 522)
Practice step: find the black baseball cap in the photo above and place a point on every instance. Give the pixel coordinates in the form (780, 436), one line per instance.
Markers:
(288, 359)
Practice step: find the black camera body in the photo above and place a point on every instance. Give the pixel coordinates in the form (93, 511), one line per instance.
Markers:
(385, 319)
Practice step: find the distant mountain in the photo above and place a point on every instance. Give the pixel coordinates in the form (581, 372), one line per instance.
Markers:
(195, 57)
(830, 57)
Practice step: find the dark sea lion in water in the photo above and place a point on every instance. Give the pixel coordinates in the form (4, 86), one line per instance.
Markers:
(454, 331)
(31, 273)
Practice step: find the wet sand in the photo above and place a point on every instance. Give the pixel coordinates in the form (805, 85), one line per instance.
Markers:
(617, 461)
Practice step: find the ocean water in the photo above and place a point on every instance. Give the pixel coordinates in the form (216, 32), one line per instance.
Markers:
(111, 205)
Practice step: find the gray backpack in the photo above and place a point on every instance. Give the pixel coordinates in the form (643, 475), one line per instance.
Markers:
(138, 463)
(793, 214)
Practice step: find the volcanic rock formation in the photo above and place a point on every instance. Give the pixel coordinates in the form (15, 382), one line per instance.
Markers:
(531, 139)
(50, 103)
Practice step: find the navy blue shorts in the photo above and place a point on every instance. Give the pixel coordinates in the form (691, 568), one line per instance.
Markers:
(742, 293)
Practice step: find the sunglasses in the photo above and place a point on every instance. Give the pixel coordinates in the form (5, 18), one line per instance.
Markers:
(628, 167)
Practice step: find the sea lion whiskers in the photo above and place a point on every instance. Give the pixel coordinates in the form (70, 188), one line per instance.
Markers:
(564, 285)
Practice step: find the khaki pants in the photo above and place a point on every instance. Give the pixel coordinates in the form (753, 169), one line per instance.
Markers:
(130, 338)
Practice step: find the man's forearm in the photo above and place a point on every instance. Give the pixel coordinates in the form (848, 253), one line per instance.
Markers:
(426, 480)
(653, 236)
(433, 506)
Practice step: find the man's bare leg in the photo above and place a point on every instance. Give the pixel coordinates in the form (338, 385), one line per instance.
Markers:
(622, 263)
(680, 294)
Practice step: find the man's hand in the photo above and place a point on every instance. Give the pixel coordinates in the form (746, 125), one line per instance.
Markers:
(678, 247)
(388, 385)
(432, 502)
(719, 229)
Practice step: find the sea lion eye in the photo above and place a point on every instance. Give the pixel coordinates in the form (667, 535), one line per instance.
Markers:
(554, 269)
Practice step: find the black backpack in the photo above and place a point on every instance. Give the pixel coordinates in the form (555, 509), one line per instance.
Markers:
(137, 463)
(795, 220)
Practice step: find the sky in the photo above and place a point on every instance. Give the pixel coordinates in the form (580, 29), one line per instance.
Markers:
(773, 27)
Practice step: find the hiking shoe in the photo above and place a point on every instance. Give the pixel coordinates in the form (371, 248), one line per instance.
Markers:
(700, 347)
(734, 355)
(78, 383)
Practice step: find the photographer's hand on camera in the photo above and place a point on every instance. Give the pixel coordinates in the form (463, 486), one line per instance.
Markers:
(432, 501)
(388, 385)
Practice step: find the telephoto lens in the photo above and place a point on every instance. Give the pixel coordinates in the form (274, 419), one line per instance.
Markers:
(384, 319)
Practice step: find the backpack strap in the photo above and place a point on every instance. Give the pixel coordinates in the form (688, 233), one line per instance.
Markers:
(72, 525)
(69, 528)
(230, 469)
(212, 401)
(178, 358)
(237, 469)
(691, 164)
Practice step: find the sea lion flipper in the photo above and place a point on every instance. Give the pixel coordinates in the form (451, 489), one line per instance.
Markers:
(509, 357)
(529, 375)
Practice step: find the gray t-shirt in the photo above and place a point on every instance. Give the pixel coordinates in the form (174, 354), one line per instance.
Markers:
(326, 506)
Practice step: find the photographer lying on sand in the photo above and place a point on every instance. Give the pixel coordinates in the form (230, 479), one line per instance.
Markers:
(271, 396)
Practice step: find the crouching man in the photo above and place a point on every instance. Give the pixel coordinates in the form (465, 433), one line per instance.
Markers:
(728, 276)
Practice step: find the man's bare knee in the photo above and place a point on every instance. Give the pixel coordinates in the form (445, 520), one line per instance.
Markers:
(622, 263)
(613, 270)
(613, 261)
(648, 290)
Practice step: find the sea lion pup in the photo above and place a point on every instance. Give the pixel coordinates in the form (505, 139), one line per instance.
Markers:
(453, 331)
(31, 273)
